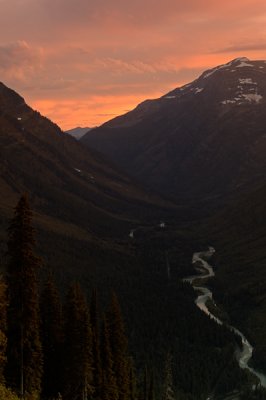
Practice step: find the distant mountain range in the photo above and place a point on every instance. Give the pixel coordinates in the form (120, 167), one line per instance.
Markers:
(204, 139)
(78, 132)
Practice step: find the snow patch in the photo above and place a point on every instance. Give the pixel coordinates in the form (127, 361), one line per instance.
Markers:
(210, 73)
(244, 64)
(228, 101)
(253, 97)
(185, 86)
(78, 170)
(170, 97)
(242, 60)
(250, 97)
(247, 81)
(198, 90)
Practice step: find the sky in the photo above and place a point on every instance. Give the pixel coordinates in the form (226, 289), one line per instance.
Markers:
(82, 62)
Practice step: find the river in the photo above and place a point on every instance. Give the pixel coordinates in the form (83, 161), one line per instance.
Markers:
(205, 271)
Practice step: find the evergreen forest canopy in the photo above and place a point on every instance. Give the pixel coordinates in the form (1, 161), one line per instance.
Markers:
(79, 346)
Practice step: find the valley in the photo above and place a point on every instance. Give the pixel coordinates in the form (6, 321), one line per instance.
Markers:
(124, 208)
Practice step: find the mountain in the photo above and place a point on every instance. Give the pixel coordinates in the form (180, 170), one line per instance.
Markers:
(84, 209)
(78, 132)
(82, 203)
(204, 139)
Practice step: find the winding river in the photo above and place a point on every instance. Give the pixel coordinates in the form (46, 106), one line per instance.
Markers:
(205, 272)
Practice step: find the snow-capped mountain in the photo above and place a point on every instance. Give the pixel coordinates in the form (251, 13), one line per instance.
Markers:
(240, 88)
(208, 136)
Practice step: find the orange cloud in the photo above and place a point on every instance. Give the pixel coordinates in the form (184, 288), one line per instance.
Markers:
(80, 62)
(87, 112)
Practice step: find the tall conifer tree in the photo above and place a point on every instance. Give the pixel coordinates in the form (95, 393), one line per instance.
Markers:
(145, 390)
(52, 339)
(151, 395)
(24, 352)
(132, 382)
(168, 392)
(96, 354)
(109, 390)
(119, 347)
(78, 372)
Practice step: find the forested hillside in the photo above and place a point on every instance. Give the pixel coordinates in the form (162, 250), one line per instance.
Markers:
(165, 345)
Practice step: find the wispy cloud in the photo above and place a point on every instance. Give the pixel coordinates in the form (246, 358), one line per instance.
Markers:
(243, 47)
(80, 60)
(19, 61)
(19, 54)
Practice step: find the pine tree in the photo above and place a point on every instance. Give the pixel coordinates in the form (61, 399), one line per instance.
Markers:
(132, 382)
(3, 328)
(52, 339)
(145, 389)
(96, 356)
(24, 352)
(109, 390)
(119, 349)
(151, 395)
(78, 359)
(168, 393)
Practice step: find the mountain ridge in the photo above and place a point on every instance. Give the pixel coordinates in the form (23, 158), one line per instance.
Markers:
(173, 142)
(78, 197)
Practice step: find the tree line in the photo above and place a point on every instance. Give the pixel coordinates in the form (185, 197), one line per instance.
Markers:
(54, 351)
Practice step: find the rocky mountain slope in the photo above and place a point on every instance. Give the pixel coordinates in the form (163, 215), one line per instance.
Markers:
(203, 139)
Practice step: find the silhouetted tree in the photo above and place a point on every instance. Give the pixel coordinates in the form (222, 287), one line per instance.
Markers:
(151, 395)
(119, 349)
(168, 393)
(24, 352)
(132, 382)
(52, 338)
(145, 390)
(109, 390)
(78, 384)
(96, 354)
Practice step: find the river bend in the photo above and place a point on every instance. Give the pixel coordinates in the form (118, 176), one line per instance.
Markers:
(205, 271)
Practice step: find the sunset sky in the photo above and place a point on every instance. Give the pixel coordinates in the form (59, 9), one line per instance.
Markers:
(81, 62)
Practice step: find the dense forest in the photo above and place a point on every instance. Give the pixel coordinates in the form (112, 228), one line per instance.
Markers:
(144, 340)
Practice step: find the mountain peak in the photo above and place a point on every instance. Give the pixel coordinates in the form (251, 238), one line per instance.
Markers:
(183, 132)
(235, 63)
(239, 59)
